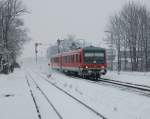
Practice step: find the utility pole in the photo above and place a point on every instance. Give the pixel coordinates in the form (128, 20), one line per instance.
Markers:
(36, 50)
(59, 44)
(111, 48)
(83, 42)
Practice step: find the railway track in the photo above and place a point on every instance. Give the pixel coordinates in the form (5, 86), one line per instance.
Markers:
(74, 98)
(45, 96)
(137, 88)
(35, 103)
(141, 89)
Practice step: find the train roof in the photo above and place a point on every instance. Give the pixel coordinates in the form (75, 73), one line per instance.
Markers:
(68, 52)
(93, 48)
(88, 48)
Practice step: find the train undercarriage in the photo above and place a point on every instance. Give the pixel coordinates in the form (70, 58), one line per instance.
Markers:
(93, 74)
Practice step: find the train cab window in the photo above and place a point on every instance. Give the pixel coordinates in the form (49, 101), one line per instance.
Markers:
(94, 57)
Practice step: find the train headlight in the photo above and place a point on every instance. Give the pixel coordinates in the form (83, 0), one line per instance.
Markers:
(86, 67)
(103, 67)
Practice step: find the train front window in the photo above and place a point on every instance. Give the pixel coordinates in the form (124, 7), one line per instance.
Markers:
(94, 57)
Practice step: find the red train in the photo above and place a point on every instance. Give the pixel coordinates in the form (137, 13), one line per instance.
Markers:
(85, 62)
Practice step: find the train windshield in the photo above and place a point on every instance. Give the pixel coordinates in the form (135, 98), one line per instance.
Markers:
(94, 57)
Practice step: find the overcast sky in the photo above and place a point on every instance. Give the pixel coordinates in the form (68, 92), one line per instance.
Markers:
(53, 19)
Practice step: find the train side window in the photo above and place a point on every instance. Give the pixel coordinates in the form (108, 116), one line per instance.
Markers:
(67, 59)
(56, 59)
(72, 58)
(77, 58)
(62, 58)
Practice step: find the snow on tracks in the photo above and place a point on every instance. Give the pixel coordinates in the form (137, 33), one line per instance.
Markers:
(44, 95)
(140, 89)
(79, 108)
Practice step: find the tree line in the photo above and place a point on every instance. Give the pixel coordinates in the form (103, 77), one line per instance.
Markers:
(130, 36)
(13, 34)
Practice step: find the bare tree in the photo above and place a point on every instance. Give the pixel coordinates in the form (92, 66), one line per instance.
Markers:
(12, 31)
(131, 35)
(11, 10)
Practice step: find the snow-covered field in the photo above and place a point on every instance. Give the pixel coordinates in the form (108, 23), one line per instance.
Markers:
(113, 103)
(15, 99)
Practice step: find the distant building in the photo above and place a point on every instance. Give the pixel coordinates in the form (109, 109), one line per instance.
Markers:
(125, 59)
(110, 56)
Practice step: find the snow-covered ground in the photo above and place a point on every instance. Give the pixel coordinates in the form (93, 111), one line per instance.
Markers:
(15, 99)
(113, 103)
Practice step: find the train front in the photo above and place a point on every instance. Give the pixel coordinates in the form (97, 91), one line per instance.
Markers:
(94, 62)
